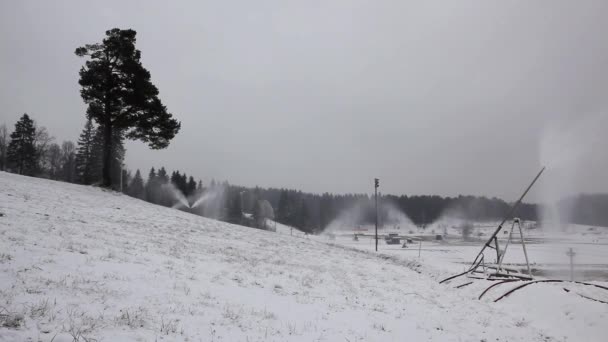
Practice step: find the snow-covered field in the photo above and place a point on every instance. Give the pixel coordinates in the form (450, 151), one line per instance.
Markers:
(79, 263)
(547, 248)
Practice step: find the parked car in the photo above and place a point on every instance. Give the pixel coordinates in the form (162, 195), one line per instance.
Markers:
(392, 239)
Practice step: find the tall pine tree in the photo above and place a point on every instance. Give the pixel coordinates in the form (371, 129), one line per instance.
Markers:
(121, 97)
(116, 156)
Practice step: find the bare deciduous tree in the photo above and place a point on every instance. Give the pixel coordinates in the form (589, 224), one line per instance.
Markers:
(42, 143)
(68, 161)
(54, 157)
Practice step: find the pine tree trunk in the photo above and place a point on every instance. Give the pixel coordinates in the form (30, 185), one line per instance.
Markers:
(107, 156)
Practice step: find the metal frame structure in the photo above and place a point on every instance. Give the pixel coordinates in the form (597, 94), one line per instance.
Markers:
(493, 242)
(523, 244)
(502, 274)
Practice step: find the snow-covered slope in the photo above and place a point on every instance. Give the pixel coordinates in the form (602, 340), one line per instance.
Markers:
(79, 263)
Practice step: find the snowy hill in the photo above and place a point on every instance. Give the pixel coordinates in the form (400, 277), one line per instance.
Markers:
(80, 263)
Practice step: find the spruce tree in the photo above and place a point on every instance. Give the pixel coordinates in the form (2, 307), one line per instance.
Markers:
(183, 184)
(191, 188)
(84, 155)
(136, 188)
(97, 156)
(163, 178)
(120, 96)
(176, 179)
(153, 188)
(21, 150)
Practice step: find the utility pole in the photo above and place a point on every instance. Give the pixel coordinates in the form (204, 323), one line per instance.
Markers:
(571, 254)
(376, 184)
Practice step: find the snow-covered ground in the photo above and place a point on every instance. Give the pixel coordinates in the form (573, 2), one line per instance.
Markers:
(547, 248)
(79, 263)
(544, 305)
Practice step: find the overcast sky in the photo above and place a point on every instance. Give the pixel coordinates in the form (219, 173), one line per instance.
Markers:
(432, 97)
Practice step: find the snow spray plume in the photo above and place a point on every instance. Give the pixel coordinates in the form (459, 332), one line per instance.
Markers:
(362, 213)
(210, 202)
(566, 148)
(450, 218)
(348, 219)
(394, 216)
(171, 194)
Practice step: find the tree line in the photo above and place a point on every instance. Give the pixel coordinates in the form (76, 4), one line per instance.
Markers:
(31, 150)
(123, 103)
(313, 212)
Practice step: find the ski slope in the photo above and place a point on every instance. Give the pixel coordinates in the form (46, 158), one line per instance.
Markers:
(79, 263)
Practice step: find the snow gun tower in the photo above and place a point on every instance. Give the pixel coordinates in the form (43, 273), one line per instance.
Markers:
(499, 275)
(479, 269)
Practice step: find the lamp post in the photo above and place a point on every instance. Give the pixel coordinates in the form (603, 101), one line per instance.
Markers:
(376, 184)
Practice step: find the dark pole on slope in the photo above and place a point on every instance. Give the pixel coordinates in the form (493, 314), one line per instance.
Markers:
(376, 184)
